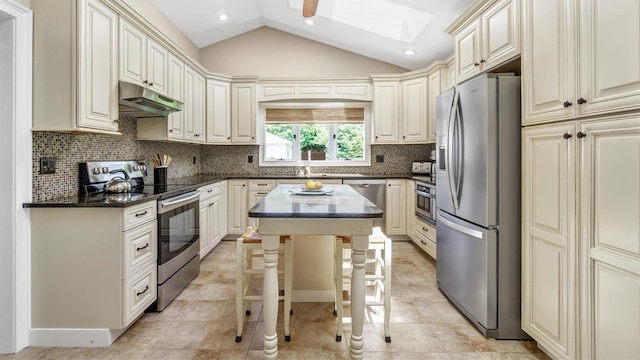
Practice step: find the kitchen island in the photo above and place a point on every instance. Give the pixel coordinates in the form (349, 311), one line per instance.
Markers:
(334, 210)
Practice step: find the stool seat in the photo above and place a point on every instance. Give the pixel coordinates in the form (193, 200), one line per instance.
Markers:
(249, 241)
(380, 244)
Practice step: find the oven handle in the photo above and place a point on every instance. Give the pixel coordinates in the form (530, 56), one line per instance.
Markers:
(177, 201)
(425, 194)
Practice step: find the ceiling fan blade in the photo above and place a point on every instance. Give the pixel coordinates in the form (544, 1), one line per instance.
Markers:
(309, 8)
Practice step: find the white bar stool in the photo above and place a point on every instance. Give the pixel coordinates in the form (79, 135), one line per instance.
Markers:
(249, 245)
(380, 279)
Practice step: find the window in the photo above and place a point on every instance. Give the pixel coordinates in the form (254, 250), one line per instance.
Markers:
(331, 134)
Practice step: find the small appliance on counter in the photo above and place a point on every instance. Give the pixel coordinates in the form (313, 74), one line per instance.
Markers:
(424, 170)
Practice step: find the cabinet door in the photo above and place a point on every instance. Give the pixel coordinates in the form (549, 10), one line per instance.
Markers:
(500, 33)
(548, 60)
(451, 74)
(254, 198)
(98, 68)
(410, 207)
(549, 239)
(157, 65)
(396, 214)
(467, 50)
(175, 90)
(433, 91)
(414, 111)
(243, 113)
(610, 228)
(214, 222)
(218, 112)
(199, 101)
(237, 205)
(133, 54)
(223, 209)
(188, 114)
(205, 229)
(386, 115)
(609, 56)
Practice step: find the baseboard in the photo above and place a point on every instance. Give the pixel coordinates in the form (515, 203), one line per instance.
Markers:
(86, 338)
(312, 296)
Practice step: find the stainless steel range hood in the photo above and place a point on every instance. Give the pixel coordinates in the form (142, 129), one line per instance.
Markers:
(140, 102)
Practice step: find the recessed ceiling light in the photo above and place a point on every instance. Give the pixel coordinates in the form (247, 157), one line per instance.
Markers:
(223, 17)
(409, 52)
(309, 21)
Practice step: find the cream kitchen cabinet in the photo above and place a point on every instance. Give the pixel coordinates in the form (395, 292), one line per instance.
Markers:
(338, 90)
(237, 201)
(410, 207)
(586, 64)
(75, 50)
(451, 72)
(488, 38)
(143, 61)
(581, 237)
(243, 113)
(386, 112)
(211, 216)
(396, 207)
(424, 236)
(94, 271)
(435, 87)
(175, 90)
(414, 111)
(258, 189)
(218, 112)
(194, 106)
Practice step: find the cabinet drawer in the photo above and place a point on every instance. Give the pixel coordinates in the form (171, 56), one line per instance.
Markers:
(425, 244)
(425, 230)
(140, 247)
(266, 184)
(209, 191)
(139, 292)
(139, 214)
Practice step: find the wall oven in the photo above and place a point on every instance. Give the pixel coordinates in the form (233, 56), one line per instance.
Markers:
(178, 245)
(426, 202)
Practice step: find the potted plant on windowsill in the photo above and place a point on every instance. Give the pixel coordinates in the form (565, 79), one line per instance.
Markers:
(313, 152)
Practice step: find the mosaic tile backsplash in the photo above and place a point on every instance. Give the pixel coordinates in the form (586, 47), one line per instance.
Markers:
(69, 150)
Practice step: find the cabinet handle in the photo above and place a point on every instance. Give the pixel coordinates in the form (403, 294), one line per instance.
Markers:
(141, 214)
(425, 229)
(567, 104)
(580, 135)
(262, 193)
(476, 64)
(143, 291)
(210, 190)
(482, 61)
(567, 136)
(581, 101)
(142, 248)
(423, 243)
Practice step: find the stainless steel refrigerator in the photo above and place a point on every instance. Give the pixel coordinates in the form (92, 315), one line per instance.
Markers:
(478, 202)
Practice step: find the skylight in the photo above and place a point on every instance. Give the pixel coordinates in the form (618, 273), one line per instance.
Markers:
(377, 16)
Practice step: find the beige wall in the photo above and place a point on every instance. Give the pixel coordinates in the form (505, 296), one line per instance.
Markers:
(268, 52)
(24, 3)
(157, 19)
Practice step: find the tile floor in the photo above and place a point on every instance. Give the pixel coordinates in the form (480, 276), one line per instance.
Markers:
(200, 323)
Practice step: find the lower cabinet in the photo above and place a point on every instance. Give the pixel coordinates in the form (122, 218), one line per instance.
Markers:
(424, 235)
(581, 237)
(93, 269)
(395, 212)
(237, 201)
(213, 216)
(258, 189)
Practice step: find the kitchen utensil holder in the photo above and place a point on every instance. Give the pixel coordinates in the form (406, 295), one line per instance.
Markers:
(160, 175)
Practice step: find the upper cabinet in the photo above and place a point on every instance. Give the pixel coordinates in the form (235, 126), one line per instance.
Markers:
(175, 90)
(142, 60)
(194, 106)
(486, 38)
(586, 64)
(338, 90)
(218, 112)
(386, 112)
(414, 111)
(75, 65)
(243, 113)
(435, 81)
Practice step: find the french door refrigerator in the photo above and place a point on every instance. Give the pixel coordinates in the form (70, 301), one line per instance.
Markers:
(478, 202)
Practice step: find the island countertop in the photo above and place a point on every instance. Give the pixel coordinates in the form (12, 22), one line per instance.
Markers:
(340, 201)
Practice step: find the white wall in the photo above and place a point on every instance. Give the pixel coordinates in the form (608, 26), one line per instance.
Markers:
(268, 52)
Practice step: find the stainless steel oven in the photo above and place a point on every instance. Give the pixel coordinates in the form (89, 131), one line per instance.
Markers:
(426, 202)
(178, 245)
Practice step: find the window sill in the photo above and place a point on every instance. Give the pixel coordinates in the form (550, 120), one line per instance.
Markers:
(315, 163)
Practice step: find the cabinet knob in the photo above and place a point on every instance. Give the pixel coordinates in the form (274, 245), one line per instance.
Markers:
(404, 137)
(567, 136)
(482, 61)
(476, 64)
(376, 136)
(170, 130)
(228, 137)
(567, 104)
(580, 135)
(145, 82)
(150, 84)
(581, 101)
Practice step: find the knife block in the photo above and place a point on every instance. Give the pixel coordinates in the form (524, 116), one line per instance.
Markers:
(160, 175)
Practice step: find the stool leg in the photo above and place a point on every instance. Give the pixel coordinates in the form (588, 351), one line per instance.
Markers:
(387, 288)
(287, 288)
(338, 272)
(248, 261)
(239, 287)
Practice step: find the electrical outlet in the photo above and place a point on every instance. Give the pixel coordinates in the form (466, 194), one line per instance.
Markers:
(379, 158)
(47, 165)
(250, 159)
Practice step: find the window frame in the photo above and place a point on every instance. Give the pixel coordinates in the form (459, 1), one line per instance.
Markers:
(331, 146)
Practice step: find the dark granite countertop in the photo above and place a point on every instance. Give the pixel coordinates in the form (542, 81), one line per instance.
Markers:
(336, 201)
(178, 186)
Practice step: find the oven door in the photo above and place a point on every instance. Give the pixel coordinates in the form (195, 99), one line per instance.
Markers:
(425, 204)
(178, 225)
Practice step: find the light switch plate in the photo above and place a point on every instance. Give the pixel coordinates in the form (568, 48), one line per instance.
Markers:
(47, 165)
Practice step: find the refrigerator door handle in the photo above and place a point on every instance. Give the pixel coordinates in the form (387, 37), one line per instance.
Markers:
(457, 227)
(459, 149)
(450, 149)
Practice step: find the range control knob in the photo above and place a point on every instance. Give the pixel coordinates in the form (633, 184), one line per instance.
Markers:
(136, 167)
(143, 167)
(105, 170)
(96, 171)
